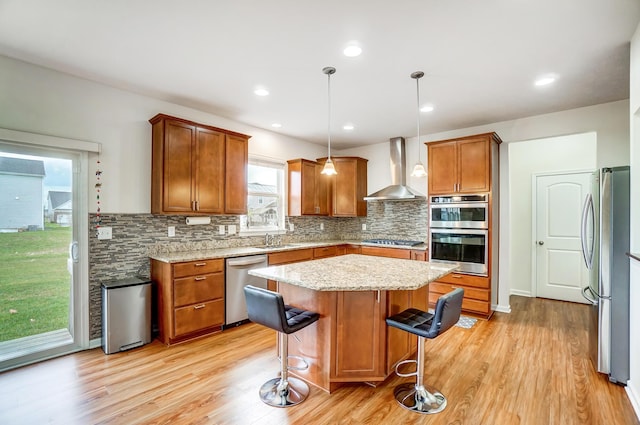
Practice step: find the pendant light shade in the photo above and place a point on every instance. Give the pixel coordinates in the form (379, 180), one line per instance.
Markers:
(329, 169)
(418, 169)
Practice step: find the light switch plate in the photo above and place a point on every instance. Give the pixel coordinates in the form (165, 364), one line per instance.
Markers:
(171, 231)
(231, 229)
(291, 227)
(321, 226)
(104, 233)
(364, 226)
(221, 229)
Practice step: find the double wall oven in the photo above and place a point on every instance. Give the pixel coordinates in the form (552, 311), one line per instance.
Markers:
(459, 232)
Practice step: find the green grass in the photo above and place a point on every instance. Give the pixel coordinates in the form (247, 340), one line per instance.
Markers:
(34, 282)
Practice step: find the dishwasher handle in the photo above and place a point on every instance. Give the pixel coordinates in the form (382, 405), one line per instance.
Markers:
(246, 261)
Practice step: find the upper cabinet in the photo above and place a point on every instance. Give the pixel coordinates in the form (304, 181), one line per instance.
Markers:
(197, 169)
(349, 187)
(461, 165)
(308, 189)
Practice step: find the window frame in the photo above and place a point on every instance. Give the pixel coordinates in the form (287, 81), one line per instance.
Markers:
(280, 195)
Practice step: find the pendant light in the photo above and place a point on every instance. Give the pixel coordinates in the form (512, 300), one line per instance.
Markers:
(329, 169)
(418, 169)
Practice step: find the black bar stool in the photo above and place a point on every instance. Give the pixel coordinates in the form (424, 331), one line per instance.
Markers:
(416, 397)
(268, 309)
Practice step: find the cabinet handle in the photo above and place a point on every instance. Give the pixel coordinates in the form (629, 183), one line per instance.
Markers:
(200, 264)
(199, 306)
(378, 297)
(200, 278)
(456, 276)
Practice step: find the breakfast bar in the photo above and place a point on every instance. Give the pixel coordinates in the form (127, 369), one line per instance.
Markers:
(353, 295)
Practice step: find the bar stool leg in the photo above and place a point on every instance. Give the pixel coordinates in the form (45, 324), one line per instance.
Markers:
(284, 391)
(416, 397)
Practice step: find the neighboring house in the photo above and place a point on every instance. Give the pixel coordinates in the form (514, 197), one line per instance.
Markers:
(59, 207)
(262, 205)
(21, 190)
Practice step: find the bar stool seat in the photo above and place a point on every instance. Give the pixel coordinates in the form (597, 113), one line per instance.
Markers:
(267, 308)
(417, 397)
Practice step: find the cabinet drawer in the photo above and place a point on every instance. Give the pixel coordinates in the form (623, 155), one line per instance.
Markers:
(473, 293)
(476, 306)
(386, 252)
(325, 251)
(195, 289)
(198, 316)
(466, 280)
(290, 256)
(193, 268)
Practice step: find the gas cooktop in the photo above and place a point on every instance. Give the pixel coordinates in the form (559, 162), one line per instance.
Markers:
(391, 242)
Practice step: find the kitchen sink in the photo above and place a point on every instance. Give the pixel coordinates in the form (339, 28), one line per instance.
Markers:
(286, 245)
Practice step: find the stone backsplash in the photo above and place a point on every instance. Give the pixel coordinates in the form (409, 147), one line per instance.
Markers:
(137, 235)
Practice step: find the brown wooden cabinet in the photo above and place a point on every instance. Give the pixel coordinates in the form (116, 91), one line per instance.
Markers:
(408, 254)
(190, 298)
(348, 188)
(197, 169)
(307, 188)
(477, 292)
(461, 165)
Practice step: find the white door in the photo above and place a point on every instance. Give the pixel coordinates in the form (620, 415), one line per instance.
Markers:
(560, 270)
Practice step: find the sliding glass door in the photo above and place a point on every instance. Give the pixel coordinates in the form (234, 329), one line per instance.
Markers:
(43, 278)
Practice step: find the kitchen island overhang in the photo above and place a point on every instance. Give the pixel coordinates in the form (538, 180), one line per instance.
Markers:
(353, 294)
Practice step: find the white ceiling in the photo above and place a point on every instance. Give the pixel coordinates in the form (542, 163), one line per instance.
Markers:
(480, 57)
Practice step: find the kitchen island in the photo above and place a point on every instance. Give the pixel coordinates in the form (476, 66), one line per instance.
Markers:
(353, 295)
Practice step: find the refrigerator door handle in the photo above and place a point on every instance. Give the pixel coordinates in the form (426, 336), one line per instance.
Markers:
(592, 300)
(588, 256)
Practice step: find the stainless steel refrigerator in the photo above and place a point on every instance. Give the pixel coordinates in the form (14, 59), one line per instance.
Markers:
(605, 242)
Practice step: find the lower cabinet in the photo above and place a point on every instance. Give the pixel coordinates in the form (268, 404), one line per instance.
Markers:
(190, 298)
(477, 293)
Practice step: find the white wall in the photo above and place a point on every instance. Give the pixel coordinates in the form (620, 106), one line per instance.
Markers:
(38, 100)
(526, 159)
(633, 387)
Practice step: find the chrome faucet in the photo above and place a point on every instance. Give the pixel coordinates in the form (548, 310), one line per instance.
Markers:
(268, 239)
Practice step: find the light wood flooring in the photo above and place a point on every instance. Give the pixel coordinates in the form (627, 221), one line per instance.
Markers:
(527, 367)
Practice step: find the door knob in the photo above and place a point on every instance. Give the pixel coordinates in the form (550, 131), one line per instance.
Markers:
(540, 242)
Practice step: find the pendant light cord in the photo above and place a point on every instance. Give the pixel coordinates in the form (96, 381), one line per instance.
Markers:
(418, 115)
(329, 112)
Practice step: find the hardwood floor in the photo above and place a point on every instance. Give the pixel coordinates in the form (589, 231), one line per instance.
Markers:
(527, 367)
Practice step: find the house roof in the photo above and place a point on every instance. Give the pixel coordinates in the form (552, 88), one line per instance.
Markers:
(58, 198)
(31, 167)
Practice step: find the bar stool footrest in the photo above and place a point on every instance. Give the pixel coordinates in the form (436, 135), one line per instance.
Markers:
(404, 362)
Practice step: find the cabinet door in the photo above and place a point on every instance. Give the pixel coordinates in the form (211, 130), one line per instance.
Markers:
(443, 169)
(399, 343)
(349, 187)
(209, 166)
(474, 165)
(308, 188)
(359, 335)
(236, 175)
(178, 189)
(321, 191)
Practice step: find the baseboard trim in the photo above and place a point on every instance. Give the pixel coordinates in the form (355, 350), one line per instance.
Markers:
(634, 397)
(501, 308)
(95, 343)
(520, 293)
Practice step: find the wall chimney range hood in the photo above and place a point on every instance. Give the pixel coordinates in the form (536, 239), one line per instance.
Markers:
(398, 191)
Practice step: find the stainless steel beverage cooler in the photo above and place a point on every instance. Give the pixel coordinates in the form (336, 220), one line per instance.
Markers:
(126, 314)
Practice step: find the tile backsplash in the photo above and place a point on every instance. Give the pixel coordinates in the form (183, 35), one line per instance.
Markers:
(137, 235)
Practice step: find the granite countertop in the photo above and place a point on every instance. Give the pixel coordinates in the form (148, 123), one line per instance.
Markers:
(204, 254)
(355, 272)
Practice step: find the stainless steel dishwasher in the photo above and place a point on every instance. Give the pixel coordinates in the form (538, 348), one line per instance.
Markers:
(237, 277)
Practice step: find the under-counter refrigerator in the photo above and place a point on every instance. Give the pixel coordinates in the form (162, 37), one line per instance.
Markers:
(605, 242)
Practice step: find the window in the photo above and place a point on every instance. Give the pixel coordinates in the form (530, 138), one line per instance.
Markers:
(265, 203)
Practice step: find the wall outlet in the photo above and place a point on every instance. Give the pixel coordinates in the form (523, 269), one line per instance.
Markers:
(231, 229)
(221, 229)
(104, 233)
(321, 226)
(291, 227)
(364, 226)
(171, 231)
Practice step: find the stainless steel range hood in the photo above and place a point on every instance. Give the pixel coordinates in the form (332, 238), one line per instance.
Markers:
(398, 191)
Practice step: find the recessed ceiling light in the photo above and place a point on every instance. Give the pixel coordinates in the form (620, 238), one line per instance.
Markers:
(545, 81)
(276, 125)
(348, 127)
(352, 50)
(427, 108)
(261, 92)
